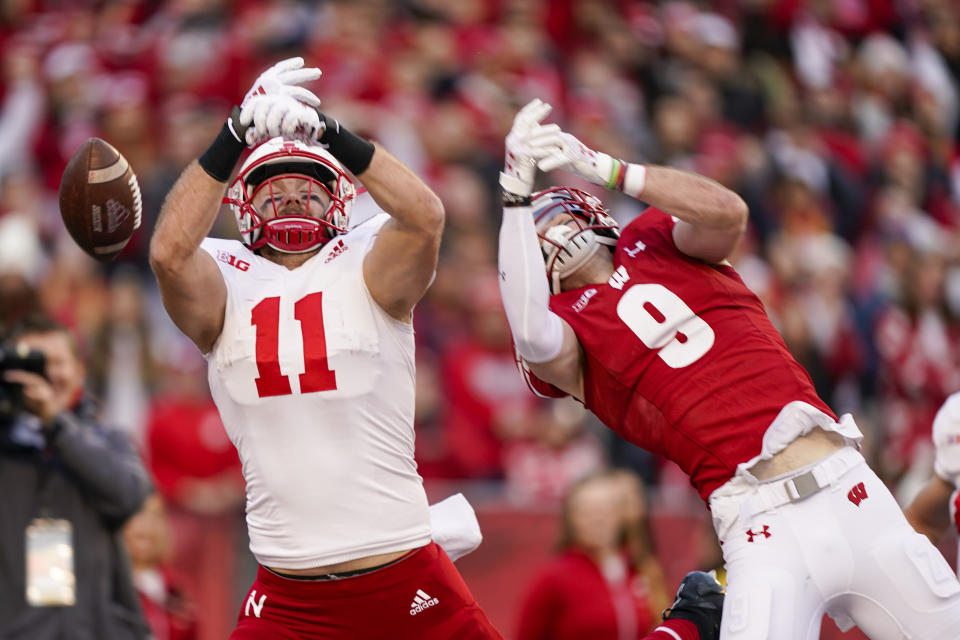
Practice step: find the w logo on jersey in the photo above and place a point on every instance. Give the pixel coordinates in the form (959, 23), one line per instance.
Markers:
(858, 494)
(619, 278)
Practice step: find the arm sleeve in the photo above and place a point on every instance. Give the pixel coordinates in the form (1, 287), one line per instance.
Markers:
(104, 464)
(537, 331)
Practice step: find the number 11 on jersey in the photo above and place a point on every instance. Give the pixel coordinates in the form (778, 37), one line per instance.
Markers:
(317, 375)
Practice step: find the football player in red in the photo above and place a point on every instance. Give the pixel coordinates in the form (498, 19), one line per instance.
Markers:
(306, 325)
(938, 502)
(653, 330)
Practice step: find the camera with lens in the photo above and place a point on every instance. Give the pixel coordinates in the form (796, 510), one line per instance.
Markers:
(16, 357)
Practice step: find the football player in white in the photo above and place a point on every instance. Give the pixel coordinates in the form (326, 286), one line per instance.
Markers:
(938, 503)
(307, 330)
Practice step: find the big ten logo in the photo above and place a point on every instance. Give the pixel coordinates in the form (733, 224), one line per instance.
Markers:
(232, 260)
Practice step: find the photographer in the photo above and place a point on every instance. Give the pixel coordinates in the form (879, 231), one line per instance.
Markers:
(68, 484)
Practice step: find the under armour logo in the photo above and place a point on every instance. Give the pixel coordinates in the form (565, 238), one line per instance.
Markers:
(251, 602)
(765, 533)
(857, 494)
(637, 248)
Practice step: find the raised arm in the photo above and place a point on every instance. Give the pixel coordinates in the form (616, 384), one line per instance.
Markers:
(546, 343)
(543, 339)
(711, 217)
(191, 284)
(400, 266)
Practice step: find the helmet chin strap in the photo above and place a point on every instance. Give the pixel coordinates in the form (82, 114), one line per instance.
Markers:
(293, 234)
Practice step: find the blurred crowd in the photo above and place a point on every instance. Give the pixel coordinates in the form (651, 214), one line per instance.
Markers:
(838, 121)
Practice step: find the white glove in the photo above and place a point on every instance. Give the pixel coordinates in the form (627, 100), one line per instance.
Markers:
(272, 102)
(271, 115)
(527, 142)
(574, 156)
(281, 79)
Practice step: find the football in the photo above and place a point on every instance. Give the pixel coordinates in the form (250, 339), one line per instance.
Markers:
(100, 199)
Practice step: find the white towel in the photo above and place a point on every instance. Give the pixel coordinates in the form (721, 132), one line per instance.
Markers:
(455, 527)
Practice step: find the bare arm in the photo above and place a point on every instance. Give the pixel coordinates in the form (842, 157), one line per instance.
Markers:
(711, 217)
(929, 513)
(399, 267)
(191, 284)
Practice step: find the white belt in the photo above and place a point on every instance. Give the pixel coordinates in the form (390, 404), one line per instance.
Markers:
(801, 484)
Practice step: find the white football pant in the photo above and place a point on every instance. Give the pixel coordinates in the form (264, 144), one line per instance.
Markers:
(828, 538)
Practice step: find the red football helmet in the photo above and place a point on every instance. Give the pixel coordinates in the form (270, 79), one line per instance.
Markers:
(277, 159)
(566, 249)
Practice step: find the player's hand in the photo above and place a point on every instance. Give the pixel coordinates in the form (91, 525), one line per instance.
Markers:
(283, 78)
(574, 156)
(274, 101)
(269, 116)
(527, 142)
(700, 601)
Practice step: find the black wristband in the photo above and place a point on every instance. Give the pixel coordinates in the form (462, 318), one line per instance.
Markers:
(514, 199)
(351, 150)
(220, 159)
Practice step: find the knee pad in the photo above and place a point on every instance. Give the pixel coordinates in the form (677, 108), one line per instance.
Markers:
(770, 603)
(746, 612)
(917, 569)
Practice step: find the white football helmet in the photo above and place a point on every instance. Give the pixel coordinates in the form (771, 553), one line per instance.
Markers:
(566, 249)
(280, 158)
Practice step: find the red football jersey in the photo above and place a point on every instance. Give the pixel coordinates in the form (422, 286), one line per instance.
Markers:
(956, 511)
(680, 357)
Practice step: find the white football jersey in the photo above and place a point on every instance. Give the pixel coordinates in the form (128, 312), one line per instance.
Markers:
(315, 385)
(946, 440)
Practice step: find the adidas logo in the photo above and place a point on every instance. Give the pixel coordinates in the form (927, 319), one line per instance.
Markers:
(421, 601)
(337, 251)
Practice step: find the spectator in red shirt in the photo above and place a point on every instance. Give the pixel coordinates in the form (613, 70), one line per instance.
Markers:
(148, 541)
(197, 471)
(589, 590)
(556, 452)
(485, 407)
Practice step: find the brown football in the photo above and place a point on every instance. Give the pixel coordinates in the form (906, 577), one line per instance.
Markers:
(100, 199)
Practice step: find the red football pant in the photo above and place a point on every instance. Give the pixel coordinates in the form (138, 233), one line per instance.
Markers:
(674, 630)
(422, 596)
